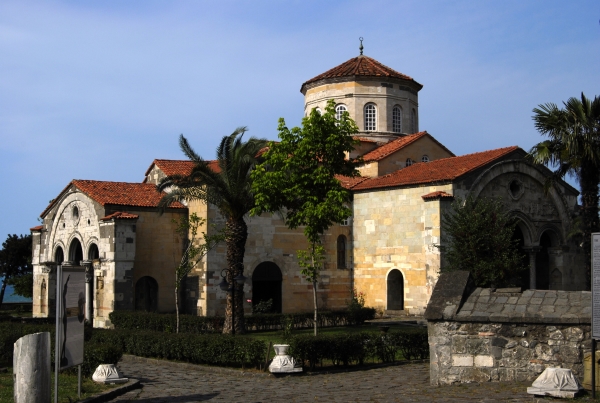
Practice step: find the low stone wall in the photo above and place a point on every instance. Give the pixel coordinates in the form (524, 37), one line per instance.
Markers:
(480, 335)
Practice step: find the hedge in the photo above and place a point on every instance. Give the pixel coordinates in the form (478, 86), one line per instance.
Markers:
(160, 322)
(348, 349)
(94, 354)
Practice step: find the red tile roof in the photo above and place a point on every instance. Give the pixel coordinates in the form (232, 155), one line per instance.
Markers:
(178, 167)
(389, 148)
(437, 195)
(361, 66)
(442, 170)
(120, 215)
(116, 193)
(37, 228)
(364, 140)
(348, 182)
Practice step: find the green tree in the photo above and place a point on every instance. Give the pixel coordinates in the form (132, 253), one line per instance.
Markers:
(477, 237)
(298, 180)
(15, 262)
(197, 246)
(229, 189)
(573, 148)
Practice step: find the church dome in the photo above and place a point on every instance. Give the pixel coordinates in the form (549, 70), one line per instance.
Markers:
(360, 66)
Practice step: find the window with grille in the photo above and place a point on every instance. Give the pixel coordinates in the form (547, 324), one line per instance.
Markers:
(409, 162)
(413, 121)
(339, 111)
(425, 158)
(397, 119)
(341, 252)
(370, 118)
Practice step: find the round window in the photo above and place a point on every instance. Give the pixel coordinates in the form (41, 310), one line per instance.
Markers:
(515, 189)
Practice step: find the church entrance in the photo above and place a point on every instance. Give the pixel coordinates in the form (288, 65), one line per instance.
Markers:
(266, 285)
(146, 294)
(542, 263)
(75, 252)
(395, 291)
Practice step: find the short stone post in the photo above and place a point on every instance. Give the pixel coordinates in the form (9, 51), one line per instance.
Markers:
(31, 368)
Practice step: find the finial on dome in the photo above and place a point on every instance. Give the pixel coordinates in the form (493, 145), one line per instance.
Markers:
(361, 46)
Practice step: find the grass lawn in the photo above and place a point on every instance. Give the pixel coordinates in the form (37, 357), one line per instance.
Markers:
(67, 388)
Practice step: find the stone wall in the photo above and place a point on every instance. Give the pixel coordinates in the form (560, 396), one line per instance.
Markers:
(480, 335)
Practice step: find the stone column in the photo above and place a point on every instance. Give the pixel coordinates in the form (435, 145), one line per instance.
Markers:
(532, 252)
(88, 290)
(31, 368)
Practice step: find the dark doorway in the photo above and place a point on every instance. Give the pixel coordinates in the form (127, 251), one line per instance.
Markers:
(59, 256)
(75, 252)
(146, 294)
(93, 252)
(266, 285)
(395, 291)
(519, 239)
(341, 252)
(542, 263)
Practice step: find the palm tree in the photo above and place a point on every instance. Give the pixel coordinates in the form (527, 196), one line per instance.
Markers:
(229, 189)
(573, 148)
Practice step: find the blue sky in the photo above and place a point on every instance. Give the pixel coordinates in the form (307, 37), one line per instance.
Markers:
(97, 90)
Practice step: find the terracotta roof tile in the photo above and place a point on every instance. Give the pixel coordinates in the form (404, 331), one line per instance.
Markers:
(364, 140)
(121, 215)
(397, 144)
(437, 195)
(442, 170)
(37, 228)
(360, 66)
(122, 193)
(178, 167)
(348, 182)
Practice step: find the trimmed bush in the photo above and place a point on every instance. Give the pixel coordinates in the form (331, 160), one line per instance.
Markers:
(160, 322)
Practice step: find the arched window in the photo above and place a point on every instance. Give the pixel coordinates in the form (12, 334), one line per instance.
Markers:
(397, 119)
(413, 121)
(370, 117)
(75, 251)
(395, 291)
(93, 252)
(267, 281)
(59, 255)
(339, 111)
(341, 252)
(425, 158)
(409, 162)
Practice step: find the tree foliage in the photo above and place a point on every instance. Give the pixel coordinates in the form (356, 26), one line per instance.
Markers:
(15, 263)
(477, 237)
(299, 179)
(573, 148)
(227, 186)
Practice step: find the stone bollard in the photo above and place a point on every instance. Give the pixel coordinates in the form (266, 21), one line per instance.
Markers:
(31, 368)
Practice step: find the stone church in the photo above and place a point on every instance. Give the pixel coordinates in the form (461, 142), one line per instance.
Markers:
(387, 249)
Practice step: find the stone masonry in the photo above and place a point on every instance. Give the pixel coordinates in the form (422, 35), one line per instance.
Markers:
(482, 334)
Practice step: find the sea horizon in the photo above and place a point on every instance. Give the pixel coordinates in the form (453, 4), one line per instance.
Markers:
(8, 294)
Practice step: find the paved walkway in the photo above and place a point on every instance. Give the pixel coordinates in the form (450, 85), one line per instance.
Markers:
(179, 383)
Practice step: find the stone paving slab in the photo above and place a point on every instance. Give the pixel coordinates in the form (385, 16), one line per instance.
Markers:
(182, 383)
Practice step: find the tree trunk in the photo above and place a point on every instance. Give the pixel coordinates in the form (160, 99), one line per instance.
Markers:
(236, 235)
(589, 180)
(177, 304)
(316, 315)
(2, 290)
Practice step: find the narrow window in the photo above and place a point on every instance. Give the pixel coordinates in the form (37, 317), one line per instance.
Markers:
(425, 158)
(341, 252)
(370, 118)
(413, 121)
(339, 111)
(397, 119)
(409, 162)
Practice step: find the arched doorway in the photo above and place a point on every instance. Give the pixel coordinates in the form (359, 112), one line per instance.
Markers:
(341, 252)
(266, 285)
(75, 252)
(542, 263)
(59, 255)
(395, 291)
(146, 294)
(93, 252)
(519, 239)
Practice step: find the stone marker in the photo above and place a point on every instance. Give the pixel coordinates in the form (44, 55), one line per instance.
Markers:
(108, 373)
(283, 363)
(557, 382)
(31, 368)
